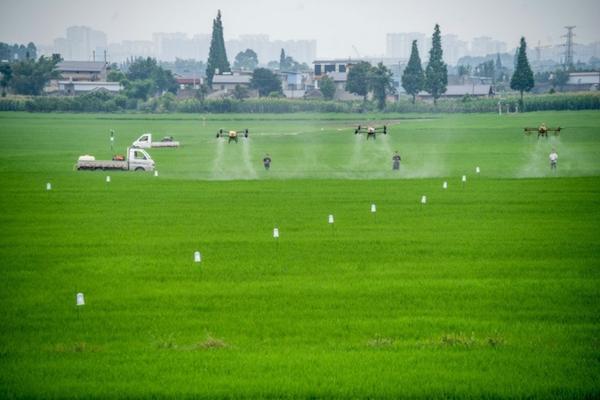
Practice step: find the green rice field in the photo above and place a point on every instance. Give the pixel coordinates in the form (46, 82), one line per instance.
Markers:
(489, 290)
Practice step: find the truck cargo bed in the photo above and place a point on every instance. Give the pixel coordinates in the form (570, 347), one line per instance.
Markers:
(103, 164)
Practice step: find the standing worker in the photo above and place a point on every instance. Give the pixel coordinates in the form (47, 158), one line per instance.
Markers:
(553, 159)
(267, 161)
(396, 161)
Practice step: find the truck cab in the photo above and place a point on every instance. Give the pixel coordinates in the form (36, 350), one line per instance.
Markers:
(140, 160)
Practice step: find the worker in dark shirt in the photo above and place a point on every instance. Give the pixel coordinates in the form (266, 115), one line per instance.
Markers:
(396, 161)
(267, 161)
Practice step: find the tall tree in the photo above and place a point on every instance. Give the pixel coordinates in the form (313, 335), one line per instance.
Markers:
(380, 80)
(246, 60)
(265, 81)
(217, 56)
(413, 77)
(498, 67)
(463, 70)
(522, 79)
(436, 73)
(282, 60)
(327, 87)
(357, 81)
(5, 76)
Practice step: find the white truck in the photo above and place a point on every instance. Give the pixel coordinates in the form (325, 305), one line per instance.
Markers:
(145, 142)
(138, 160)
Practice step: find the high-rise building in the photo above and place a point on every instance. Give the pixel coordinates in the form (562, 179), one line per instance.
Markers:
(85, 43)
(399, 45)
(453, 48)
(484, 45)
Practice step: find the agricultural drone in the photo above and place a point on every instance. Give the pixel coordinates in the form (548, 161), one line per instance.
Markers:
(543, 130)
(232, 135)
(371, 131)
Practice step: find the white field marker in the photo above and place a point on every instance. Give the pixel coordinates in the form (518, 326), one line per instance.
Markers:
(464, 178)
(445, 185)
(276, 233)
(155, 173)
(423, 199)
(197, 257)
(108, 179)
(48, 186)
(477, 170)
(80, 300)
(330, 219)
(373, 208)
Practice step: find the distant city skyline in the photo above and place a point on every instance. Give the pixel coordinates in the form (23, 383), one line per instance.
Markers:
(84, 43)
(339, 27)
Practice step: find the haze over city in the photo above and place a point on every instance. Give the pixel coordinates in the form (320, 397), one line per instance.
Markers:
(340, 28)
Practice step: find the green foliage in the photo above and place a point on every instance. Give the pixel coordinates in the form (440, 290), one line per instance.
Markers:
(246, 60)
(121, 102)
(436, 73)
(116, 76)
(29, 77)
(486, 70)
(217, 55)
(560, 77)
(265, 81)
(148, 70)
(381, 82)
(17, 52)
(327, 87)
(413, 77)
(358, 79)
(522, 79)
(288, 64)
(240, 92)
(5, 76)
(282, 60)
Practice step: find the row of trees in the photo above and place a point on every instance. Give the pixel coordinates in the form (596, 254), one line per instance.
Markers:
(363, 79)
(434, 79)
(28, 76)
(17, 52)
(144, 78)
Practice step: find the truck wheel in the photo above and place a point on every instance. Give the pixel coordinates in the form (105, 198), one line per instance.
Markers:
(140, 169)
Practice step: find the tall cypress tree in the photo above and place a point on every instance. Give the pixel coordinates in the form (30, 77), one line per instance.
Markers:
(217, 56)
(436, 73)
(522, 79)
(282, 60)
(413, 77)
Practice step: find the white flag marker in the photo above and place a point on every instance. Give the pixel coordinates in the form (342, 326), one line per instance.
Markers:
(107, 179)
(445, 185)
(423, 199)
(155, 173)
(276, 233)
(373, 208)
(477, 170)
(330, 220)
(80, 299)
(464, 178)
(197, 257)
(48, 186)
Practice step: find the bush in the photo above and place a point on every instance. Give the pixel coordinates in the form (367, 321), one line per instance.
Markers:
(109, 102)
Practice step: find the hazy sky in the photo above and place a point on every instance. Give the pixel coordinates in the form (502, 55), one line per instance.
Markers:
(335, 24)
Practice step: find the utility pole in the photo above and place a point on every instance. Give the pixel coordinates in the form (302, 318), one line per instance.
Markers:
(569, 46)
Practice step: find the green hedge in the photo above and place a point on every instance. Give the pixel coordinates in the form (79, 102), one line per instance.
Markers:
(565, 101)
(105, 102)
